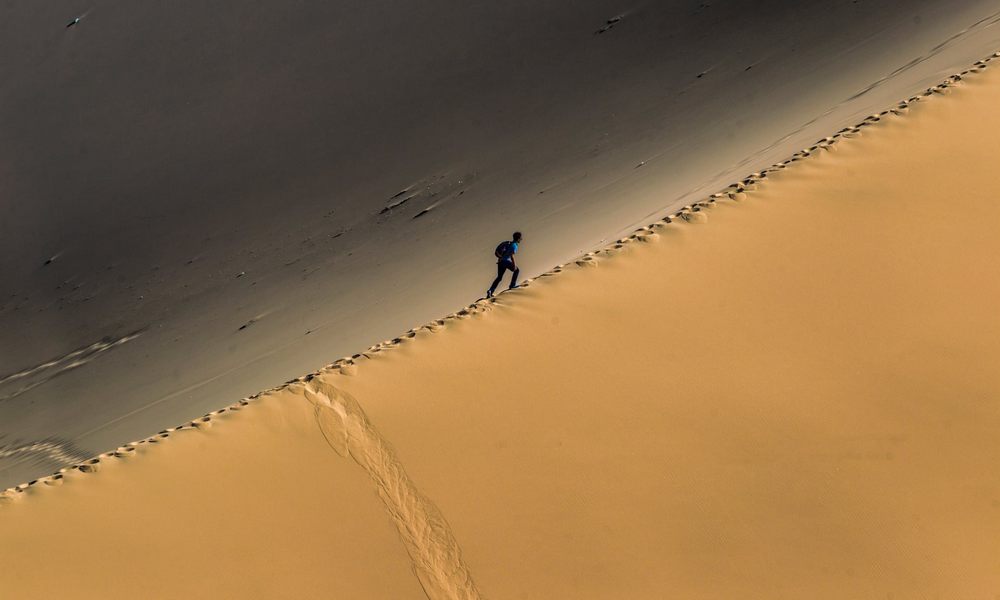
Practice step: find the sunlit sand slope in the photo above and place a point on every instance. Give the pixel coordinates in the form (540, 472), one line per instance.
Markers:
(790, 393)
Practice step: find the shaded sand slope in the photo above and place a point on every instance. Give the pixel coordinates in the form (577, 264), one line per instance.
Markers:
(787, 394)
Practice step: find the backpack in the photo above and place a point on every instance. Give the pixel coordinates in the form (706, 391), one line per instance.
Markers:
(502, 249)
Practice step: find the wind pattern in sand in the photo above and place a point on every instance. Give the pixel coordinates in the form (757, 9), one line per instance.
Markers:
(15, 384)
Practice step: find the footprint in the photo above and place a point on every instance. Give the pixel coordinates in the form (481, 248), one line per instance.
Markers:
(349, 369)
(396, 204)
(608, 24)
(202, 423)
(437, 189)
(254, 320)
(91, 466)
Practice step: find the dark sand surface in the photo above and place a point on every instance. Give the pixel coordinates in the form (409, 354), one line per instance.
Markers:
(202, 200)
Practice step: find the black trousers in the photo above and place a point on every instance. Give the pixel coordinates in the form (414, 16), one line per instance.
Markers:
(502, 267)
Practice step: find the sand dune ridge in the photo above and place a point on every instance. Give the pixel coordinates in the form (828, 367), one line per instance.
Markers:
(694, 212)
(797, 401)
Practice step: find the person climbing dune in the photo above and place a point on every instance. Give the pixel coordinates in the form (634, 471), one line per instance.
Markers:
(505, 261)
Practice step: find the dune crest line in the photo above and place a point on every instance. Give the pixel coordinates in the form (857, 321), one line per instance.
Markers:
(738, 191)
(433, 549)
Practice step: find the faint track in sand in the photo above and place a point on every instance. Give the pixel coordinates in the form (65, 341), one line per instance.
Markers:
(433, 549)
(15, 384)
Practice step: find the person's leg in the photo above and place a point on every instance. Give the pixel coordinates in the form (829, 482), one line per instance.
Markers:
(501, 268)
(513, 278)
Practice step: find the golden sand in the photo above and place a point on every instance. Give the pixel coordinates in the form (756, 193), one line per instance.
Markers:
(791, 392)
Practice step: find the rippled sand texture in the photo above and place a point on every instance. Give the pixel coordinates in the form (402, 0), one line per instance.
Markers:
(788, 392)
